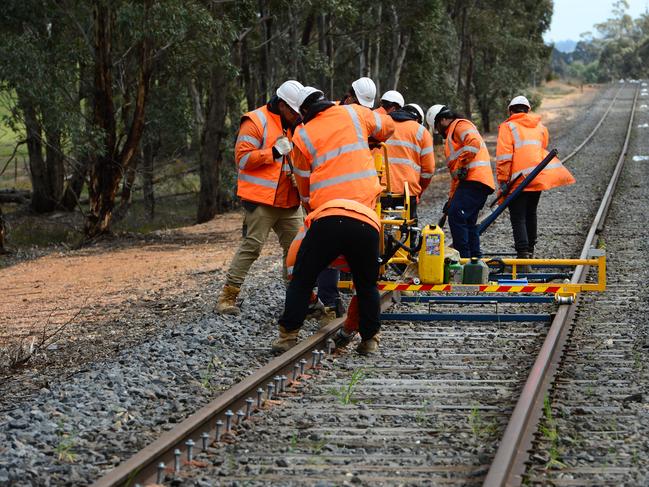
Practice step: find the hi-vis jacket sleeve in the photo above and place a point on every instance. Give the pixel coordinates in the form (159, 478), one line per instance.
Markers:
(470, 142)
(249, 141)
(379, 127)
(545, 141)
(504, 153)
(302, 172)
(427, 160)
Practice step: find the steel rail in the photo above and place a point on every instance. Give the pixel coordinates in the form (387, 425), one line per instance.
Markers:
(508, 465)
(142, 468)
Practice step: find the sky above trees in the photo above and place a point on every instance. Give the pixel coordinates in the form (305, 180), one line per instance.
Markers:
(571, 18)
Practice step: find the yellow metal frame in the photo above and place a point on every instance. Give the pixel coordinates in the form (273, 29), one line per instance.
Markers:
(392, 217)
(563, 292)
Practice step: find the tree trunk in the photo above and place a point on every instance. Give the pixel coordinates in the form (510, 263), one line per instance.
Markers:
(127, 191)
(468, 82)
(199, 119)
(41, 199)
(107, 168)
(75, 184)
(210, 155)
(55, 165)
(376, 64)
(147, 180)
(2, 233)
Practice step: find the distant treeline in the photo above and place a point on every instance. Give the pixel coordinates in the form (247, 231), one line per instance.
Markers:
(619, 50)
(104, 91)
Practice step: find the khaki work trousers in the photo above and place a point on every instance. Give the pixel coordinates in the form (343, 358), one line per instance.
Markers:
(285, 222)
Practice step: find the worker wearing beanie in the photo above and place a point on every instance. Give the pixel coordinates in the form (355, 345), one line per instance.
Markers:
(338, 186)
(390, 101)
(522, 144)
(410, 153)
(264, 184)
(469, 164)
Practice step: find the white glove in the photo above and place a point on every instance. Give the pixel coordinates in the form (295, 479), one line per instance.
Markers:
(282, 145)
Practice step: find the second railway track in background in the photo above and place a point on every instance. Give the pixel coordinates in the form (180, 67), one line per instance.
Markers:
(430, 407)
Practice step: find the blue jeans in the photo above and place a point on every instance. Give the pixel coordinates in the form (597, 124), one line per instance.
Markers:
(468, 200)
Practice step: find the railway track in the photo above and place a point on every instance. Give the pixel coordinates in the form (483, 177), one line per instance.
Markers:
(430, 407)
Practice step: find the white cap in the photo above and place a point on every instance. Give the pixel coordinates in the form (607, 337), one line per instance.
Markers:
(393, 96)
(289, 92)
(418, 108)
(304, 93)
(365, 91)
(432, 113)
(520, 100)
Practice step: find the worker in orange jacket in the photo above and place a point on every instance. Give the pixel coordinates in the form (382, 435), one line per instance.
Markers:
(362, 92)
(410, 154)
(338, 186)
(469, 164)
(264, 184)
(522, 144)
(390, 101)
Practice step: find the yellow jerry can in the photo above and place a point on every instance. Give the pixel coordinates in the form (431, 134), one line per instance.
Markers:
(431, 255)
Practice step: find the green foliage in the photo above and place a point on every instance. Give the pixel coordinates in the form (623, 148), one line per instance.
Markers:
(346, 392)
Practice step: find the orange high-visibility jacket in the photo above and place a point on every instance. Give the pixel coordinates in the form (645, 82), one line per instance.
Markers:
(464, 148)
(332, 159)
(411, 157)
(522, 144)
(262, 179)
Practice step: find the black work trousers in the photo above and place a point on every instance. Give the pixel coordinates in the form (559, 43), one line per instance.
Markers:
(326, 239)
(522, 214)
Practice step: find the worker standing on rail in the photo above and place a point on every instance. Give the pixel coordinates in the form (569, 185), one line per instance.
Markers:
(339, 186)
(522, 144)
(362, 92)
(390, 101)
(268, 194)
(469, 164)
(410, 154)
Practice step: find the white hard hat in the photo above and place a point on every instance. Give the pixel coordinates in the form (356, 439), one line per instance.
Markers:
(393, 96)
(432, 113)
(365, 91)
(520, 100)
(304, 93)
(289, 92)
(418, 108)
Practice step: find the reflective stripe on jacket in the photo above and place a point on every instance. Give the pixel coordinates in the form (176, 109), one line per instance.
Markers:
(262, 179)
(464, 148)
(332, 159)
(522, 144)
(411, 157)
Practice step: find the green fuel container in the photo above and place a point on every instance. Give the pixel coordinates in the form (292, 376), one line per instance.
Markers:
(475, 272)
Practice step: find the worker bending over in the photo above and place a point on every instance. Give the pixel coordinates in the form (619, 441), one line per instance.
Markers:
(362, 92)
(472, 180)
(264, 184)
(338, 186)
(410, 154)
(522, 144)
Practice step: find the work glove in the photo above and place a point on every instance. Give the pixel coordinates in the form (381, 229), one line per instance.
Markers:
(282, 146)
(462, 173)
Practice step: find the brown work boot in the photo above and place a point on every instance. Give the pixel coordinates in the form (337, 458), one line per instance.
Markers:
(369, 346)
(287, 339)
(227, 303)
